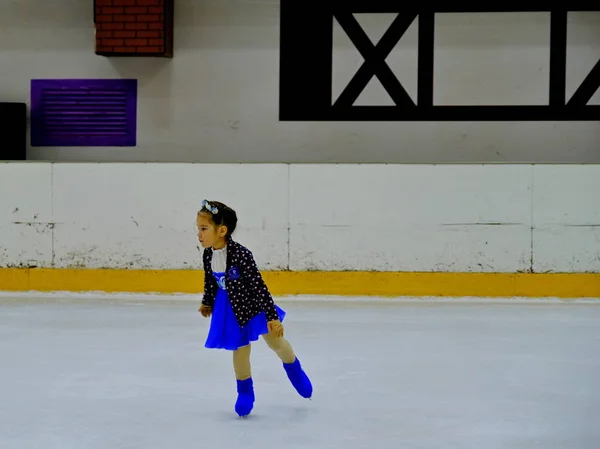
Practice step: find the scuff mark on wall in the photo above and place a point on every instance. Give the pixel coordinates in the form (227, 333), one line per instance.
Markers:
(4, 257)
(41, 228)
(594, 225)
(531, 244)
(492, 223)
(26, 264)
(338, 226)
(21, 259)
(95, 257)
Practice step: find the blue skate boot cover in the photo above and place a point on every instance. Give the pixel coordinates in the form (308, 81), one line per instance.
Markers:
(298, 378)
(245, 399)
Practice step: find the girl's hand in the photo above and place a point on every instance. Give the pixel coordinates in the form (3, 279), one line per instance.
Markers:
(206, 311)
(276, 328)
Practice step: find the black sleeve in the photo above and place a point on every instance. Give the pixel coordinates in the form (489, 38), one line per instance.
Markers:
(209, 283)
(261, 291)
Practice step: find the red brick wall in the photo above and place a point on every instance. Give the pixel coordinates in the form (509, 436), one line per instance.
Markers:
(134, 27)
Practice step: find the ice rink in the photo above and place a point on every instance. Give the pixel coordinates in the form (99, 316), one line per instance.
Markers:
(98, 373)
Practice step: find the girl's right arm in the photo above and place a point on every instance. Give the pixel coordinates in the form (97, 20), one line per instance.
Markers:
(210, 290)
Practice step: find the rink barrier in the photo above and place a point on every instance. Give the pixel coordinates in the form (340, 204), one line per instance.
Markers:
(283, 283)
(381, 229)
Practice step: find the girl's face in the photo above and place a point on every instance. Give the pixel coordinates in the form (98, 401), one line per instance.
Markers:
(210, 235)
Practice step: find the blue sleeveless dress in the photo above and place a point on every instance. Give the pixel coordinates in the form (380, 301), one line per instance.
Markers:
(225, 332)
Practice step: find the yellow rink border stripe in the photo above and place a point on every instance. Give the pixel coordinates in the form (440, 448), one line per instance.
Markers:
(387, 284)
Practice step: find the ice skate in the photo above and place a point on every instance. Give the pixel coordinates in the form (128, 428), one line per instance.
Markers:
(298, 378)
(245, 399)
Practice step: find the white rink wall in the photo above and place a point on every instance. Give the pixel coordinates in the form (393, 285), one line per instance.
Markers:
(449, 218)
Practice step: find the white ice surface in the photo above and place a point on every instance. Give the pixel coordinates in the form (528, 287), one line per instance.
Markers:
(79, 372)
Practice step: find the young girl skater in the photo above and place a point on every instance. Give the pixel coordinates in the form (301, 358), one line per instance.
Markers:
(240, 305)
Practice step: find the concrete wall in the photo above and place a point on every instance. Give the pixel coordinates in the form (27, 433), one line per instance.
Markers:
(217, 100)
(449, 218)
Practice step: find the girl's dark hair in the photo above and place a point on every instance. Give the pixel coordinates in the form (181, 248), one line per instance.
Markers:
(221, 215)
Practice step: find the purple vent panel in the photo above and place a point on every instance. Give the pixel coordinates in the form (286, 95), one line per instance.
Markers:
(83, 113)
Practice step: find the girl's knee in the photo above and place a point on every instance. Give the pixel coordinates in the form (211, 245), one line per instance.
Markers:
(274, 343)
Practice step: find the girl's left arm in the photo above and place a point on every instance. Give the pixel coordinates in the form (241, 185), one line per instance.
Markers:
(263, 296)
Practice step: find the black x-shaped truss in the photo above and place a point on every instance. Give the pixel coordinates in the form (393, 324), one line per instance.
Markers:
(306, 65)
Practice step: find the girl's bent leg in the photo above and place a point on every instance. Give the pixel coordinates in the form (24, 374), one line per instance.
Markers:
(291, 364)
